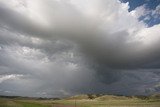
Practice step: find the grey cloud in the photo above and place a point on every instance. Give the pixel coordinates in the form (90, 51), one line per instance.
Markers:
(20, 23)
(76, 27)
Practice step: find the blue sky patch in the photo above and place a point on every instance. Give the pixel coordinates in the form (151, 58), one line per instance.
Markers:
(151, 5)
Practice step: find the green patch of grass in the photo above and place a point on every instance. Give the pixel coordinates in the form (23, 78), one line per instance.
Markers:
(17, 103)
(28, 104)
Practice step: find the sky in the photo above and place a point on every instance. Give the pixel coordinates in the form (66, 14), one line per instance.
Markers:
(149, 5)
(57, 48)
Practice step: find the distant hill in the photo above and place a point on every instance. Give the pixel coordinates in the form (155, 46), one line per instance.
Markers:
(100, 97)
(78, 97)
(111, 97)
(28, 98)
(96, 97)
(155, 96)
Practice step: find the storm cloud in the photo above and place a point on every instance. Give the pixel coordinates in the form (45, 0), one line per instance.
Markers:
(55, 48)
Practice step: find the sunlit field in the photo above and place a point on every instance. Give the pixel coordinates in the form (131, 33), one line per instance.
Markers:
(104, 101)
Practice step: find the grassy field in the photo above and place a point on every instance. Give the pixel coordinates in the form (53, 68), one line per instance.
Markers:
(111, 103)
(104, 101)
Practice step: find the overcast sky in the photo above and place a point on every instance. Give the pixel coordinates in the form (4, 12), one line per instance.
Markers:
(56, 48)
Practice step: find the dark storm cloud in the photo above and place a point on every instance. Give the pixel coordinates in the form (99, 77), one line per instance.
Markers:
(87, 45)
(96, 43)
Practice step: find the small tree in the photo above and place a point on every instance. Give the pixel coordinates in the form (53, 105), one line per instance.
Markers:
(90, 96)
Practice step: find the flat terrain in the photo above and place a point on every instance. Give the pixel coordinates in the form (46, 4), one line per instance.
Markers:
(104, 101)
